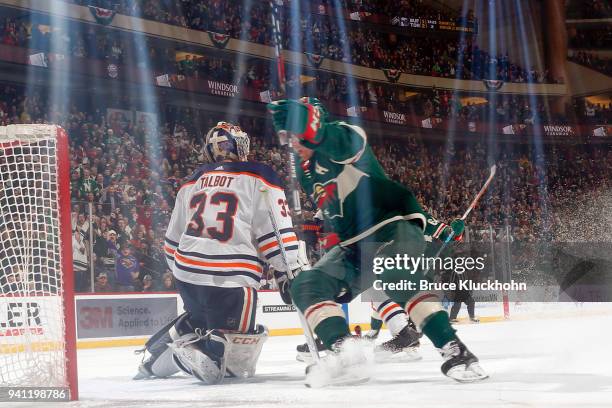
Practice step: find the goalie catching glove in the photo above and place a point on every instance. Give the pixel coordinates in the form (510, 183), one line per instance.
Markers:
(303, 118)
(283, 279)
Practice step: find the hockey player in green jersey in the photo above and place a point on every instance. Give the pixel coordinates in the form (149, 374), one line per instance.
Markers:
(372, 215)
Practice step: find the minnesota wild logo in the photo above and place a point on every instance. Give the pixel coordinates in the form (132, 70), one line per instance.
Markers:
(493, 84)
(218, 40)
(103, 16)
(326, 197)
(314, 59)
(392, 75)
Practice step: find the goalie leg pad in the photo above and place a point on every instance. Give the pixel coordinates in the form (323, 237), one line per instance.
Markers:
(159, 362)
(201, 355)
(163, 366)
(244, 351)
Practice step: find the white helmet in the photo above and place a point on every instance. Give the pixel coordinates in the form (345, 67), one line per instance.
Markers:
(226, 142)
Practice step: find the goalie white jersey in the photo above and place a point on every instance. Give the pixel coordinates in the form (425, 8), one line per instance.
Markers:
(220, 233)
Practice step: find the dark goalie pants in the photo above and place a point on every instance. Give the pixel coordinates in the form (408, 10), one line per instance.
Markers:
(349, 270)
(226, 309)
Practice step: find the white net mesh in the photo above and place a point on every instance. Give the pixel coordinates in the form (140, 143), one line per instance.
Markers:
(31, 308)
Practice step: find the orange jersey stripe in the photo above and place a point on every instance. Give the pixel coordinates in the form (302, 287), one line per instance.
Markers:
(247, 312)
(275, 244)
(384, 312)
(169, 250)
(219, 264)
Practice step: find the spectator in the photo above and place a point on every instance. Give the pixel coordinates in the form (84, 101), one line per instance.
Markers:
(110, 199)
(371, 46)
(83, 225)
(601, 64)
(124, 232)
(87, 184)
(127, 271)
(102, 284)
(105, 248)
(168, 282)
(80, 262)
(147, 283)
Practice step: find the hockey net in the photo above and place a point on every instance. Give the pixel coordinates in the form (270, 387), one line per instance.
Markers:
(37, 336)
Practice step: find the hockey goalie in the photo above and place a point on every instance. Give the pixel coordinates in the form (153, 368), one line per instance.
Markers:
(219, 238)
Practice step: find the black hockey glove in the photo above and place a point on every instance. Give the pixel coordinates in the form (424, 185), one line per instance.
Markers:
(284, 284)
(283, 279)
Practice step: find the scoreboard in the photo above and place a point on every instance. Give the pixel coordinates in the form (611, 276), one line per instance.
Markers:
(432, 24)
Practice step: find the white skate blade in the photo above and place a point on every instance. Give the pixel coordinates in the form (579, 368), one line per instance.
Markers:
(146, 377)
(411, 354)
(307, 357)
(471, 373)
(407, 355)
(142, 376)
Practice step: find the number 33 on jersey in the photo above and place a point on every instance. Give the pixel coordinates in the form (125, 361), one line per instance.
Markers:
(220, 233)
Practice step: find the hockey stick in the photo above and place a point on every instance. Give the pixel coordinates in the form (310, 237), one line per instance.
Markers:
(473, 204)
(310, 340)
(283, 136)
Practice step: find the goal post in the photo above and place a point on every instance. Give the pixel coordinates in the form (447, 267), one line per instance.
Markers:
(37, 311)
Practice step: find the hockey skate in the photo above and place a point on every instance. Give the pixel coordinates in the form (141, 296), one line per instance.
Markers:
(144, 370)
(155, 369)
(371, 335)
(460, 364)
(346, 364)
(406, 341)
(303, 352)
(156, 366)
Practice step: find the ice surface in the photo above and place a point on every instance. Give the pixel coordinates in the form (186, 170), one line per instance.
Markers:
(553, 362)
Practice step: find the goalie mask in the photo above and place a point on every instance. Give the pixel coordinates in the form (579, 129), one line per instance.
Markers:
(226, 142)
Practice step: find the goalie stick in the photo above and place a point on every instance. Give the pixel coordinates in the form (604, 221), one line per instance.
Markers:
(310, 340)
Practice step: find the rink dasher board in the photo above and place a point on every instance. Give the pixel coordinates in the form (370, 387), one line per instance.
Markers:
(280, 319)
(271, 311)
(25, 323)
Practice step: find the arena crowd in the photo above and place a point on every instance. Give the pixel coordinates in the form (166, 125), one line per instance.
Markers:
(124, 186)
